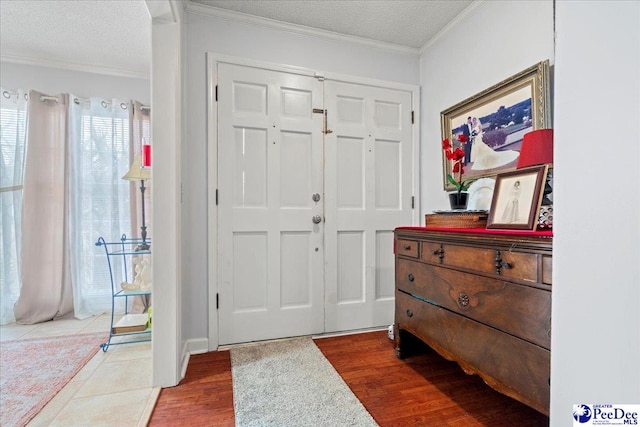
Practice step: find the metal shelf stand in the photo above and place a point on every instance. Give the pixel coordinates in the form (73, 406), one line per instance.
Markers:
(124, 249)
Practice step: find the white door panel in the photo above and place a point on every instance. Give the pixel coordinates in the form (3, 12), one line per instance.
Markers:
(270, 255)
(368, 185)
(278, 273)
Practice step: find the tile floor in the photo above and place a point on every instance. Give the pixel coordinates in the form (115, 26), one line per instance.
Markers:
(113, 389)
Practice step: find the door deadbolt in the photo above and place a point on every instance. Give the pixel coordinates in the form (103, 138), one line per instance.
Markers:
(315, 197)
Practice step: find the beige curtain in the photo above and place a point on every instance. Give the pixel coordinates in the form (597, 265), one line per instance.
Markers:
(46, 291)
(140, 128)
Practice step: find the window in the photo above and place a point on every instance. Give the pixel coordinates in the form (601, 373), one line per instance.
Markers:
(13, 125)
(100, 200)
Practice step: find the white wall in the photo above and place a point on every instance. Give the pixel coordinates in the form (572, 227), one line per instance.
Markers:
(243, 40)
(488, 44)
(595, 344)
(167, 132)
(55, 80)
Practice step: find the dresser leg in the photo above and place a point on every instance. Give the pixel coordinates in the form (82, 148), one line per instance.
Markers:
(396, 340)
(406, 344)
(400, 342)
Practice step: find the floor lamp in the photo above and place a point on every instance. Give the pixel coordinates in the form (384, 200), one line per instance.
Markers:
(138, 173)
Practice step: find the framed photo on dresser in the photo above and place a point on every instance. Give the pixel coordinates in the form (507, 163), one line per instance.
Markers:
(516, 199)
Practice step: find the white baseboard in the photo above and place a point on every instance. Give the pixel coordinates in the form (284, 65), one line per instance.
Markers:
(185, 362)
(198, 345)
(194, 346)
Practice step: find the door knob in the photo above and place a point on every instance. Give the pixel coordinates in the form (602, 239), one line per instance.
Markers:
(317, 219)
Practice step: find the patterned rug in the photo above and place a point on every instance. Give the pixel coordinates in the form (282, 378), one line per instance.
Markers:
(33, 371)
(290, 383)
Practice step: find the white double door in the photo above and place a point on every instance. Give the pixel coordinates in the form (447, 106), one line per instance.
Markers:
(308, 202)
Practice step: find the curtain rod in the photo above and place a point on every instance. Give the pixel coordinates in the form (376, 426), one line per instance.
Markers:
(9, 93)
(49, 98)
(105, 103)
(77, 100)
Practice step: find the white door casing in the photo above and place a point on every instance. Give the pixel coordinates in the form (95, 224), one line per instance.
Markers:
(270, 253)
(369, 191)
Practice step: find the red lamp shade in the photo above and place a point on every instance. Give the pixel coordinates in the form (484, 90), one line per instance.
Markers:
(146, 155)
(537, 148)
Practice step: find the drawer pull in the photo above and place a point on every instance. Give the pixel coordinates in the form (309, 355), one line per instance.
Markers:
(407, 247)
(500, 264)
(409, 313)
(410, 277)
(439, 253)
(463, 299)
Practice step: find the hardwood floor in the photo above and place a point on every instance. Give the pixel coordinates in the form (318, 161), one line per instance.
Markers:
(203, 398)
(421, 390)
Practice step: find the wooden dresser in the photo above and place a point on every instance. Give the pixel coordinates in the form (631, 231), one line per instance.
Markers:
(482, 299)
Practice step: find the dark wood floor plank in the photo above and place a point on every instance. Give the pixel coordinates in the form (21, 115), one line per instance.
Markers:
(421, 390)
(203, 398)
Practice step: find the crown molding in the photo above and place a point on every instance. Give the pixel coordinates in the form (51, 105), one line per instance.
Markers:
(69, 66)
(204, 10)
(458, 20)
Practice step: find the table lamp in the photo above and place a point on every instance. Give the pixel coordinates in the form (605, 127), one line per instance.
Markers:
(138, 173)
(537, 149)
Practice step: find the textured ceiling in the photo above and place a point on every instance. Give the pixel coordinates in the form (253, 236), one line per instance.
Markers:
(109, 36)
(409, 23)
(114, 36)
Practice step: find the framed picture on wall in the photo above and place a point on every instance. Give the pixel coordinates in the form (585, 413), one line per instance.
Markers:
(494, 122)
(516, 199)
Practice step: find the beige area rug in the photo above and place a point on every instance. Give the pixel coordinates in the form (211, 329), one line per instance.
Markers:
(32, 371)
(289, 383)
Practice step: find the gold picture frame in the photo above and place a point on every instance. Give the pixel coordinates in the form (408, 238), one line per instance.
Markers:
(503, 113)
(516, 199)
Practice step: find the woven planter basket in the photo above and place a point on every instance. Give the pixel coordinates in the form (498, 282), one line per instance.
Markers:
(456, 220)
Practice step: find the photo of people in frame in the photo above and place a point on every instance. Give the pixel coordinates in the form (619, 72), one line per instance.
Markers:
(494, 133)
(516, 198)
(489, 126)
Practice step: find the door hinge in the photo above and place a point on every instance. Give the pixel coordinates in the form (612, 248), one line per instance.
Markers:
(216, 93)
(413, 202)
(217, 301)
(216, 197)
(412, 116)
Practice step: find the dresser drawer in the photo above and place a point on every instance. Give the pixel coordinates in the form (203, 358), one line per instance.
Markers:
(477, 259)
(546, 269)
(407, 248)
(516, 309)
(508, 364)
(518, 265)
